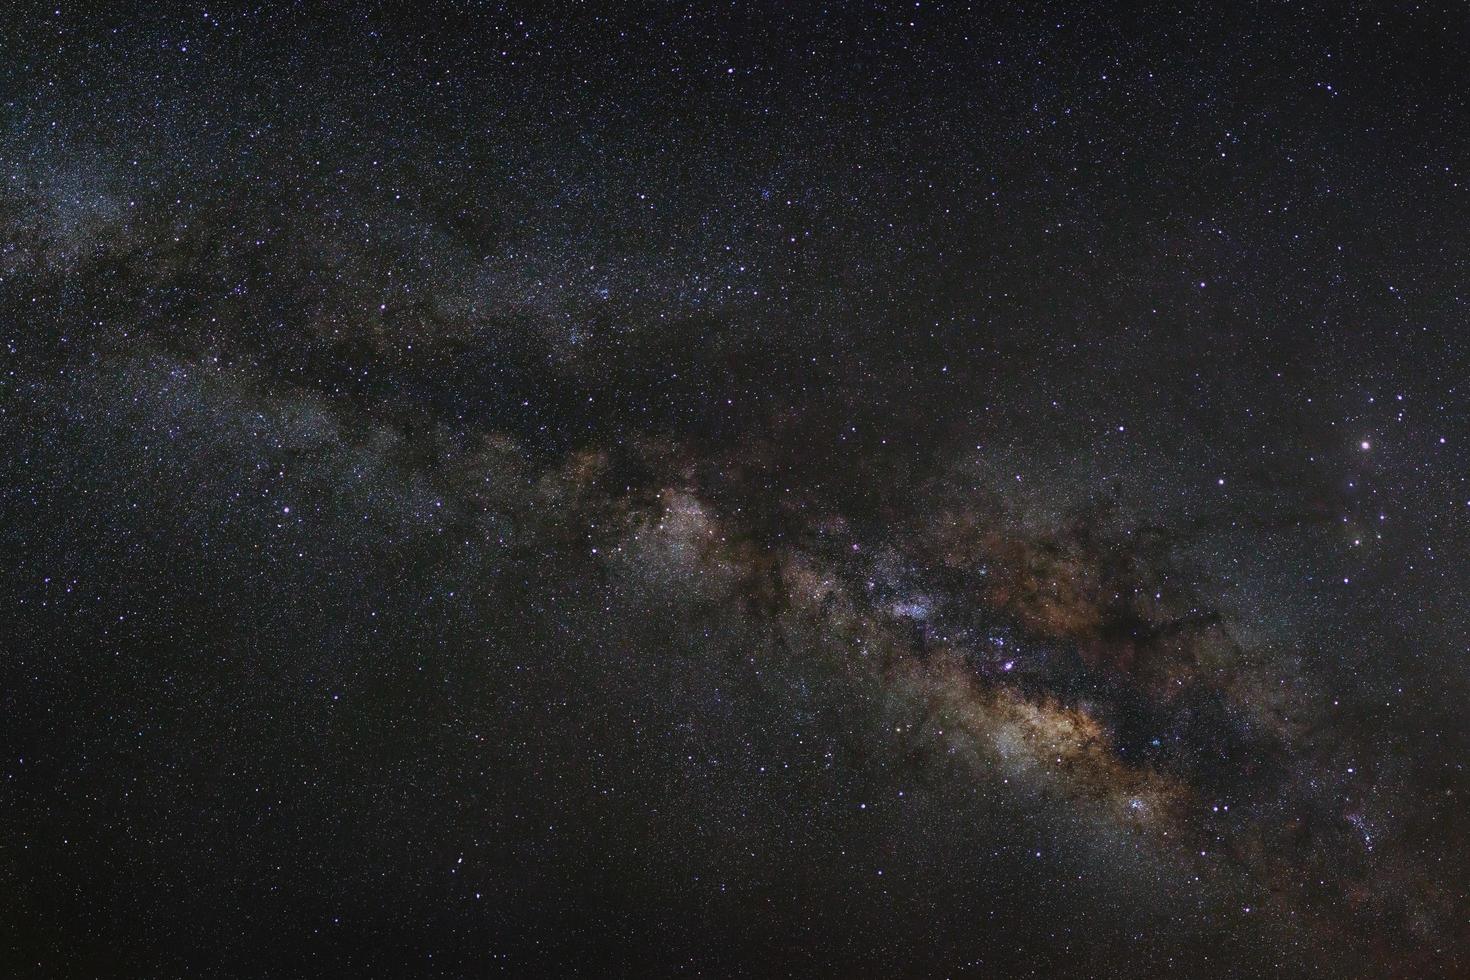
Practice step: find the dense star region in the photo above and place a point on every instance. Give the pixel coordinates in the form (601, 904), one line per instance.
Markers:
(899, 489)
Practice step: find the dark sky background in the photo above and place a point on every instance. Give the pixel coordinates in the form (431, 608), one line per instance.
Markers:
(735, 489)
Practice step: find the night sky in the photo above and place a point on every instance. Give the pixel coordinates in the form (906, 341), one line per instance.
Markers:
(793, 489)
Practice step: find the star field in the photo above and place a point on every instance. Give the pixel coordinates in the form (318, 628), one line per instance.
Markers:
(734, 490)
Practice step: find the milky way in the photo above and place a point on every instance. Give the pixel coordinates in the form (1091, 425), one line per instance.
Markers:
(735, 490)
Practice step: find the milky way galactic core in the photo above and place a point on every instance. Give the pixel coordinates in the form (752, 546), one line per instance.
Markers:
(893, 489)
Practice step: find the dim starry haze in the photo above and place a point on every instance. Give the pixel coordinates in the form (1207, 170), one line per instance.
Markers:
(784, 489)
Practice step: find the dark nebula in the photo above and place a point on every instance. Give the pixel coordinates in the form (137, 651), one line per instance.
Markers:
(902, 489)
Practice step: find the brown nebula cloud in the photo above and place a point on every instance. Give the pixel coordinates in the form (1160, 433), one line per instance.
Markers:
(1070, 659)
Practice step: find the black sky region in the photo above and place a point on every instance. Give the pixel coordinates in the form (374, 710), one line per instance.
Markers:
(794, 489)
